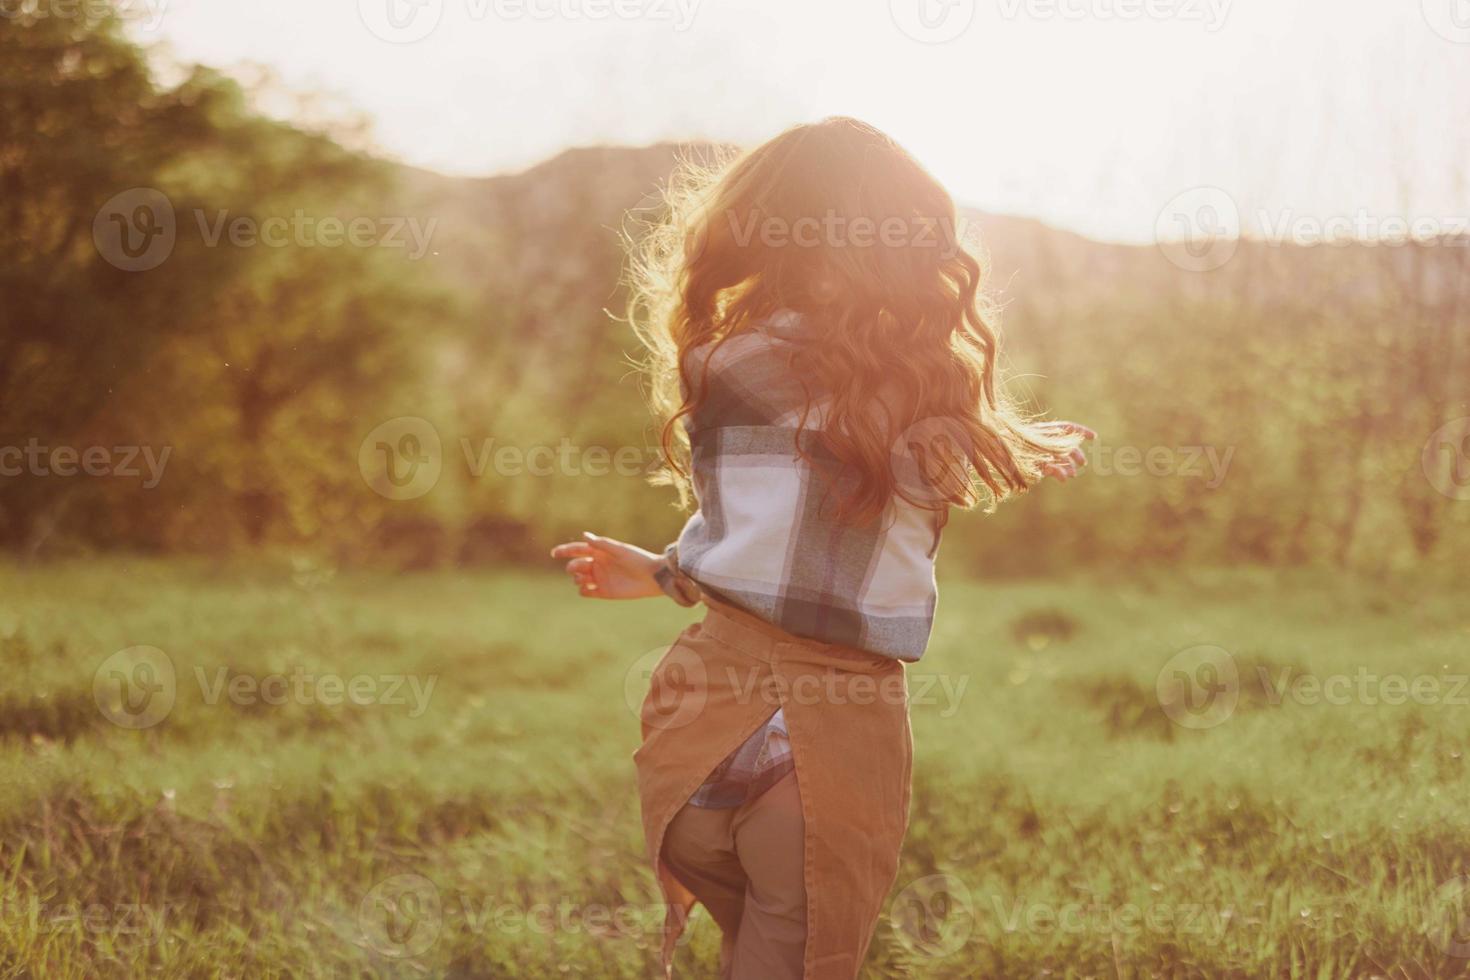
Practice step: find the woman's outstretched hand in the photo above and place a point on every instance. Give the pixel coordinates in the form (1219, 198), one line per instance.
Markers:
(608, 569)
(1066, 466)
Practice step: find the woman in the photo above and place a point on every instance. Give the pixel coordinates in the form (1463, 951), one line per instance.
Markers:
(824, 366)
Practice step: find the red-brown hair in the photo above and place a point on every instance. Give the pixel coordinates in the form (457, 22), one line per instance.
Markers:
(837, 222)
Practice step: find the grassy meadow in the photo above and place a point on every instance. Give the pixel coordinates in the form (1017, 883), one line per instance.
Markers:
(429, 775)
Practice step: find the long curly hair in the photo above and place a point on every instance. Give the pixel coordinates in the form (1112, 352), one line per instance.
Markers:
(839, 224)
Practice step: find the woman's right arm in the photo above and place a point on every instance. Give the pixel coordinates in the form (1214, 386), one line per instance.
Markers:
(605, 568)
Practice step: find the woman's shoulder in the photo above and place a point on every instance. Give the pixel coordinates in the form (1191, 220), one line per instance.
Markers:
(751, 348)
(749, 376)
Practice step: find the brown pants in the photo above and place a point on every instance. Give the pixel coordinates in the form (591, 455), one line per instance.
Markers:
(847, 718)
(744, 864)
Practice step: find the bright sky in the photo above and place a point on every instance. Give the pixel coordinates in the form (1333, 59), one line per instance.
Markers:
(1090, 114)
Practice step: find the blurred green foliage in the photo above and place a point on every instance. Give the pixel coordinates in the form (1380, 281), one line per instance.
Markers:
(1277, 410)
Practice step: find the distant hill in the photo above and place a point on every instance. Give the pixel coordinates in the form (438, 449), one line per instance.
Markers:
(1279, 349)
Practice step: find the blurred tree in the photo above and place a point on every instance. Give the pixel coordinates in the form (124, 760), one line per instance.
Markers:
(1272, 411)
(81, 122)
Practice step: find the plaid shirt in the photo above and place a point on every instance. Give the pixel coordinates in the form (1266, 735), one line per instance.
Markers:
(762, 540)
(750, 770)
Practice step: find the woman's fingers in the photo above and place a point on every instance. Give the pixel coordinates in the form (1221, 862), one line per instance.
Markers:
(598, 543)
(582, 567)
(1071, 429)
(1060, 471)
(589, 561)
(589, 545)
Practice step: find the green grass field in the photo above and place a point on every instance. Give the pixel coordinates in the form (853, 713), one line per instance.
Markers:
(1065, 823)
